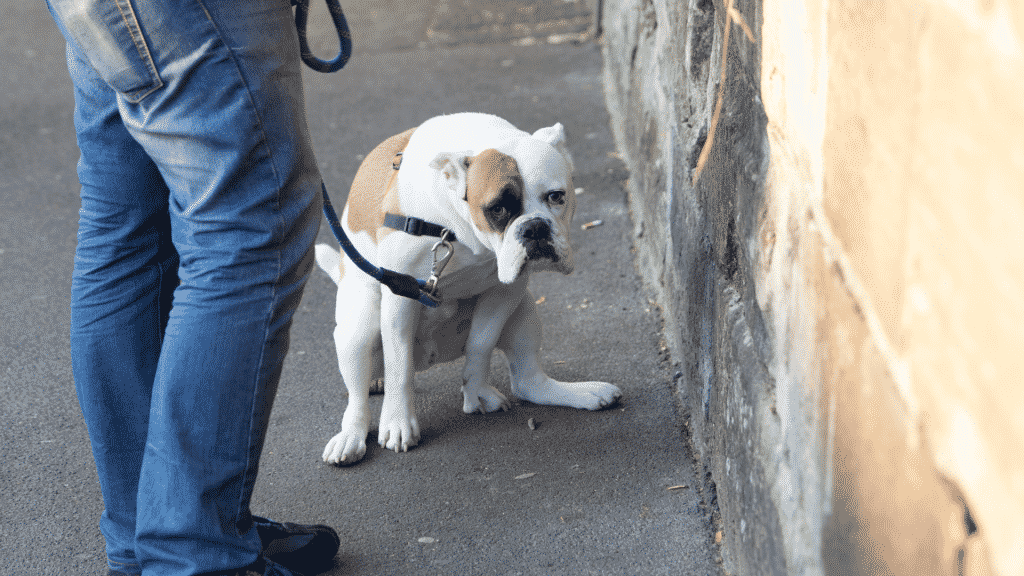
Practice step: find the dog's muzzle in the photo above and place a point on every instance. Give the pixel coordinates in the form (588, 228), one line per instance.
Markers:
(535, 237)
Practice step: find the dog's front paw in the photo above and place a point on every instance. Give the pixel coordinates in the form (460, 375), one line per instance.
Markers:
(399, 429)
(347, 447)
(483, 399)
(582, 395)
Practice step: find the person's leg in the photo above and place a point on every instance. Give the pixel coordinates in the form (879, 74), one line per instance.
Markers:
(212, 92)
(125, 272)
(228, 132)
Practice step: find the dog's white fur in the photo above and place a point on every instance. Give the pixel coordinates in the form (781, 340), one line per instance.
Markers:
(451, 171)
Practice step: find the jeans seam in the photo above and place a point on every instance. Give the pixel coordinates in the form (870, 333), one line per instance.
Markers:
(135, 31)
(255, 110)
(264, 142)
(122, 564)
(260, 370)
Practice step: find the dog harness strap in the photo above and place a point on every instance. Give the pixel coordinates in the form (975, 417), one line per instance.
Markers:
(398, 283)
(415, 226)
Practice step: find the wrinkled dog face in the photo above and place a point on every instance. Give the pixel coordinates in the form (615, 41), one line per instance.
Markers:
(538, 237)
(521, 200)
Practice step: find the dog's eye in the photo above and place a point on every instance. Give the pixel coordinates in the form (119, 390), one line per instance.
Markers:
(556, 197)
(497, 211)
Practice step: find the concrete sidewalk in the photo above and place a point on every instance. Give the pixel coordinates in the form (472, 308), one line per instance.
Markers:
(582, 493)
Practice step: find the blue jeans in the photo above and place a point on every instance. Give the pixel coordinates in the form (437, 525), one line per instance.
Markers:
(200, 205)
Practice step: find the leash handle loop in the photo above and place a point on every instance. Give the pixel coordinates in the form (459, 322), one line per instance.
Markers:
(340, 26)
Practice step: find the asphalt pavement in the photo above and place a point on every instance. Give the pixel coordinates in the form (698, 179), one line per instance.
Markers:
(609, 492)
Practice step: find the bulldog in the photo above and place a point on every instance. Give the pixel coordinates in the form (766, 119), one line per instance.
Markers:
(506, 199)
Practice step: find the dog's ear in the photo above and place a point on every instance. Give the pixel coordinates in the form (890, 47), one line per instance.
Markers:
(454, 166)
(555, 135)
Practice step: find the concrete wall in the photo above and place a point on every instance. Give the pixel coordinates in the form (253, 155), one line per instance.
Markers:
(839, 270)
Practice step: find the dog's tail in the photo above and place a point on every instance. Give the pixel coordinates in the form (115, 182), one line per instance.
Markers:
(329, 260)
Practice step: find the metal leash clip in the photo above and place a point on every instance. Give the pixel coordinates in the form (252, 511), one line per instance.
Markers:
(440, 261)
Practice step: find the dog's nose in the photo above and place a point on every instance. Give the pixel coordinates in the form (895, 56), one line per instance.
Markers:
(536, 230)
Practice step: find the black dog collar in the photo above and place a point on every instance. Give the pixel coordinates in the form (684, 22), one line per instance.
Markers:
(415, 226)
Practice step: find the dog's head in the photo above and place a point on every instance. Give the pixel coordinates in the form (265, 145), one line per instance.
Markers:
(520, 200)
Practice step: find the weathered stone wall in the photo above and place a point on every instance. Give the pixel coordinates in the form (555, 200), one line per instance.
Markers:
(837, 254)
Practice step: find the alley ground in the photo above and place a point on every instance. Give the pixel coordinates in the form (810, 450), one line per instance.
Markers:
(581, 493)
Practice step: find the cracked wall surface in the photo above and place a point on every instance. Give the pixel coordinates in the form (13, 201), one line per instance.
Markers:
(829, 214)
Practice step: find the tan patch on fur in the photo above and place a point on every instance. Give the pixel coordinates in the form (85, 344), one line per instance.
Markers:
(374, 190)
(488, 174)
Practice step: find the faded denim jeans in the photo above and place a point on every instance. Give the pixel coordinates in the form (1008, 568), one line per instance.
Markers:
(200, 204)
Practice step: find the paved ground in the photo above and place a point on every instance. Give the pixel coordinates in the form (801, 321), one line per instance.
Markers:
(598, 500)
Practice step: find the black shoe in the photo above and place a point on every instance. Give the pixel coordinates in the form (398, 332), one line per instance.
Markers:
(304, 550)
(308, 549)
(261, 567)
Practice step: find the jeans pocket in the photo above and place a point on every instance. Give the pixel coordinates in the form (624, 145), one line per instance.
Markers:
(108, 33)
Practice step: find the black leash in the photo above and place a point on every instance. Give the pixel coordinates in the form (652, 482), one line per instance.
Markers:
(340, 26)
(423, 291)
(400, 284)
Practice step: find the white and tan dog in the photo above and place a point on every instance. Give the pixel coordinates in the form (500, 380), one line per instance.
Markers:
(508, 197)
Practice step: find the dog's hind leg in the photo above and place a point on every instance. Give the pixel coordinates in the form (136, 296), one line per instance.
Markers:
(520, 342)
